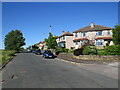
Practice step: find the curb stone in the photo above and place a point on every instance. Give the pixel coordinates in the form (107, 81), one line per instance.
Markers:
(73, 62)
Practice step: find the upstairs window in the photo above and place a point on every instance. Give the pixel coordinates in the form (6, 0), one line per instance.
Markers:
(76, 35)
(63, 37)
(108, 33)
(83, 34)
(99, 33)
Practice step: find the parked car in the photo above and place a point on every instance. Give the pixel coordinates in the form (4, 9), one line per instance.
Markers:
(30, 50)
(38, 52)
(48, 54)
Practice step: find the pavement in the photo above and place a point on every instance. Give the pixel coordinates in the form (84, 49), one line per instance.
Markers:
(27, 70)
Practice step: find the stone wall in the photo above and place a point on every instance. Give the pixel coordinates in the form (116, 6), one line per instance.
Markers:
(92, 57)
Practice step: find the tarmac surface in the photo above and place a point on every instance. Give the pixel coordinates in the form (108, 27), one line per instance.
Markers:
(28, 70)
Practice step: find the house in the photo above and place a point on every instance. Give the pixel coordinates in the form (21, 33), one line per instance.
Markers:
(42, 45)
(65, 40)
(100, 35)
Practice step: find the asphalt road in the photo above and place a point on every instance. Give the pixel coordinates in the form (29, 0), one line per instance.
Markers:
(27, 70)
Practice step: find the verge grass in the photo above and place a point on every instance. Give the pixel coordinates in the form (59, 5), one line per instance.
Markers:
(6, 55)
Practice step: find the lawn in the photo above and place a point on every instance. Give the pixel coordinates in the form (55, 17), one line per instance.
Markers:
(5, 56)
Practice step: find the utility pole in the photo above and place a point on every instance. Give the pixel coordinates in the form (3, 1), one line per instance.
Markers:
(50, 29)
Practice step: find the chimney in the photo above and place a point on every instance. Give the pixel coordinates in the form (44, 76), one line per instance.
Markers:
(92, 25)
(63, 32)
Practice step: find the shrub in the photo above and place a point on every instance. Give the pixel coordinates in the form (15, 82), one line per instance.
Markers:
(60, 50)
(78, 52)
(57, 52)
(66, 50)
(70, 51)
(113, 50)
(101, 52)
(89, 50)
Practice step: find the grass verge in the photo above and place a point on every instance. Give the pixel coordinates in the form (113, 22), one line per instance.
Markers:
(5, 56)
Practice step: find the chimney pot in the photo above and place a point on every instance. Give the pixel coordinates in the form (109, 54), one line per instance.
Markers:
(92, 25)
(63, 32)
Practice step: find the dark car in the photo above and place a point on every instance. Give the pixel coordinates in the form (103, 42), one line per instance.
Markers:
(38, 52)
(48, 54)
(32, 51)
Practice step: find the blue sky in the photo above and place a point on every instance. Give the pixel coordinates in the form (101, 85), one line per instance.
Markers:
(34, 18)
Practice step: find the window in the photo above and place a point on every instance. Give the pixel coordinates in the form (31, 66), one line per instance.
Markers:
(108, 33)
(99, 42)
(76, 35)
(76, 43)
(63, 37)
(99, 33)
(83, 34)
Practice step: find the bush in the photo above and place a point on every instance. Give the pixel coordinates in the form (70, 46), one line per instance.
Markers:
(78, 52)
(101, 52)
(113, 50)
(70, 51)
(89, 50)
(66, 50)
(60, 50)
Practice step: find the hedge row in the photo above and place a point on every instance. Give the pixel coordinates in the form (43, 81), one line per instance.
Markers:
(91, 50)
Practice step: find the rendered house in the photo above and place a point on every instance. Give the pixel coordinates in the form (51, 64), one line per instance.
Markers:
(65, 40)
(100, 35)
(41, 45)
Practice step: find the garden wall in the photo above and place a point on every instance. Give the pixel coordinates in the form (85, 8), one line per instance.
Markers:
(91, 57)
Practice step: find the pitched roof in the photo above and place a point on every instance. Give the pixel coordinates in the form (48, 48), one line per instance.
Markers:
(96, 27)
(41, 42)
(67, 34)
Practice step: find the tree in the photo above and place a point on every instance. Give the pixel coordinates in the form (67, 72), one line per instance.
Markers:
(34, 47)
(14, 40)
(51, 41)
(29, 47)
(116, 35)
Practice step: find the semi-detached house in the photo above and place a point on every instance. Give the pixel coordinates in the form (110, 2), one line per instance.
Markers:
(65, 40)
(101, 35)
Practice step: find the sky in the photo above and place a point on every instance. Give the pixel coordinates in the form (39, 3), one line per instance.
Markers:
(34, 18)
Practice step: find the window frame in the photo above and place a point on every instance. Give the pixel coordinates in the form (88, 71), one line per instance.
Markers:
(99, 42)
(76, 42)
(108, 32)
(98, 34)
(84, 34)
(76, 35)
